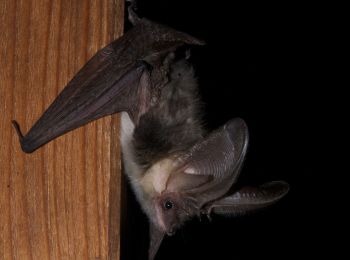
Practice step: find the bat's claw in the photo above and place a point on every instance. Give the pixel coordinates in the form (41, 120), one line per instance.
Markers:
(132, 16)
(18, 129)
(207, 213)
(27, 148)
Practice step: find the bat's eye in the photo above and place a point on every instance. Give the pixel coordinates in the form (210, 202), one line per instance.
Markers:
(169, 204)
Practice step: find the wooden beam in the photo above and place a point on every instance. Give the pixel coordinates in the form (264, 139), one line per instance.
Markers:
(56, 202)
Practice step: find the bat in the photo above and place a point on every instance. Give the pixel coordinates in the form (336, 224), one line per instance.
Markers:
(176, 168)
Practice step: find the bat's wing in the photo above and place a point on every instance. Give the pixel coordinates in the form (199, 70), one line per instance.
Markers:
(213, 164)
(126, 75)
(81, 103)
(248, 199)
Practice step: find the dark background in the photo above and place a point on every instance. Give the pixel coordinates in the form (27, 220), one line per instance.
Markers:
(261, 64)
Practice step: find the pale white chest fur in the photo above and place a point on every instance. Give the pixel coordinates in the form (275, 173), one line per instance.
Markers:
(145, 184)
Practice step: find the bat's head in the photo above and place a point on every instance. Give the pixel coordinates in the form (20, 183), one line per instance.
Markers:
(179, 186)
(170, 204)
(172, 210)
(200, 181)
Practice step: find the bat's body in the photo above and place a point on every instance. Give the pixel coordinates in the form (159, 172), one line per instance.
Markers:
(173, 124)
(168, 129)
(177, 169)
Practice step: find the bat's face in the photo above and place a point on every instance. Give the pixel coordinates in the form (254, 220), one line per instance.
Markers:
(171, 205)
(172, 210)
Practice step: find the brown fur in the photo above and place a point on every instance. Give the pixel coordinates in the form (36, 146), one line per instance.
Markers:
(174, 124)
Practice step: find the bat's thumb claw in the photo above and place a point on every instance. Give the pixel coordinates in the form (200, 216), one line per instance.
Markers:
(18, 129)
(207, 213)
(26, 147)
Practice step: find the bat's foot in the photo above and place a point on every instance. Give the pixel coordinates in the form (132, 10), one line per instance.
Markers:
(132, 16)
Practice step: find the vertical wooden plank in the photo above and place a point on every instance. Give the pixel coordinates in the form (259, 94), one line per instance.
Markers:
(57, 202)
(7, 18)
(116, 181)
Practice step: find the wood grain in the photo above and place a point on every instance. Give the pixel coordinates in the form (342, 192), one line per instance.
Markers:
(56, 202)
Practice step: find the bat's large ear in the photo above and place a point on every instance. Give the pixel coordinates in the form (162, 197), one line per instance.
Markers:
(248, 199)
(215, 161)
(156, 238)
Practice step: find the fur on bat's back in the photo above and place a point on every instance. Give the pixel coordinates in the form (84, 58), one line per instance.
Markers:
(174, 123)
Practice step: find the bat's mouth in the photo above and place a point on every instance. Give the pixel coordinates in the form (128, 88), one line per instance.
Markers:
(171, 232)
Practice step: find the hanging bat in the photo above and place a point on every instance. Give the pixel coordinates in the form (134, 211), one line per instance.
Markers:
(176, 169)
